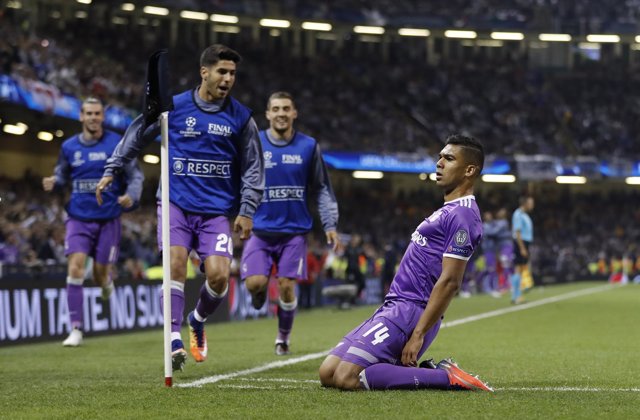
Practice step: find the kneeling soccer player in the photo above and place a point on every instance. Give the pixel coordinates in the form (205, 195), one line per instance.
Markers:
(383, 352)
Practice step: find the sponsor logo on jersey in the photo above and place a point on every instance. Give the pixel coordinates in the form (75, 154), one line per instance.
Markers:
(418, 239)
(82, 186)
(292, 159)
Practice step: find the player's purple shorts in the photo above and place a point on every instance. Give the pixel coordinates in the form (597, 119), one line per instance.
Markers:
(288, 252)
(381, 338)
(98, 239)
(208, 235)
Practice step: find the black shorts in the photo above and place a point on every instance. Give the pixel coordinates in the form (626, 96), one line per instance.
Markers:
(518, 258)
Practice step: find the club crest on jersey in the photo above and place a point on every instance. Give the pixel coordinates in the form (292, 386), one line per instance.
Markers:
(461, 237)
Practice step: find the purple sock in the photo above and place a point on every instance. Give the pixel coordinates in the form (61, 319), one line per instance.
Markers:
(177, 305)
(286, 314)
(75, 296)
(209, 300)
(382, 376)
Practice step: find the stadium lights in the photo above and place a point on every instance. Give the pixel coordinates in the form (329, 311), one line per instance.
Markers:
(507, 178)
(84, 1)
(81, 14)
(508, 36)
(368, 174)
(571, 179)
(632, 180)
(413, 32)
(59, 133)
(554, 37)
(16, 129)
(128, 7)
(460, 34)
(275, 23)
(316, 26)
(603, 38)
(190, 14)
(432, 176)
(14, 5)
(638, 38)
(228, 29)
(423, 176)
(369, 30)
(151, 159)
(45, 136)
(224, 18)
(154, 10)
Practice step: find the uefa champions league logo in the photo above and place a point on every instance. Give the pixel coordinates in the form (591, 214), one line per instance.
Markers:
(191, 122)
(178, 166)
(268, 155)
(461, 237)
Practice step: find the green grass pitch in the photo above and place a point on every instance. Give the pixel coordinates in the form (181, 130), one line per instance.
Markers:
(576, 357)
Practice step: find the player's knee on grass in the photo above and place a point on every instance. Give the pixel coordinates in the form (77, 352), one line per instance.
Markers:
(327, 369)
(347, 376)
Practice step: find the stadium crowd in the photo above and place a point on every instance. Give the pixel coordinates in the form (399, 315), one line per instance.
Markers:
(588, 110)
(567, 242)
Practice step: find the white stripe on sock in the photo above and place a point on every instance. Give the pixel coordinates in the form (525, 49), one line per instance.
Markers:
(75, 281)
(213, 293)
(176, 285)
(288, 306)
(175, 336)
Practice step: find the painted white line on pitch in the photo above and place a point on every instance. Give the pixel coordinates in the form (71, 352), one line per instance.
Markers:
(569, 389)
(461, 321)
(524, 306)
(536, 388)
(268, 366)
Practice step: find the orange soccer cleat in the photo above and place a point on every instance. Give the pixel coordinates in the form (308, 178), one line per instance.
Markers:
(197, 340)
(459, 379)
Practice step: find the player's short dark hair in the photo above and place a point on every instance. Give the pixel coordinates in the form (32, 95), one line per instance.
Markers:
(471, 147)
(280, 95)
(217, 52)
(91, 100)
(524, 198)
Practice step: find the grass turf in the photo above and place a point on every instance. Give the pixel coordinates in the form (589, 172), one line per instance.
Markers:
(575, 358)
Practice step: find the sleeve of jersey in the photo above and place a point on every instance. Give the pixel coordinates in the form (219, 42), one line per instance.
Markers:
(459, 235)
(135, 178)
(321, 184)
(252, 170)
(516, 222)
(136, 138)
(62, 171)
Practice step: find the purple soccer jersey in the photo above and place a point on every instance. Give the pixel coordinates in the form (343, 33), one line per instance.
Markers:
(453, 231)
(289, 252)
(99, 239)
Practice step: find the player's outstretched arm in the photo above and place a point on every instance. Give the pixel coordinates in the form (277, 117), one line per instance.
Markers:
(443, 292)
(136, 138)
(104, 182)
